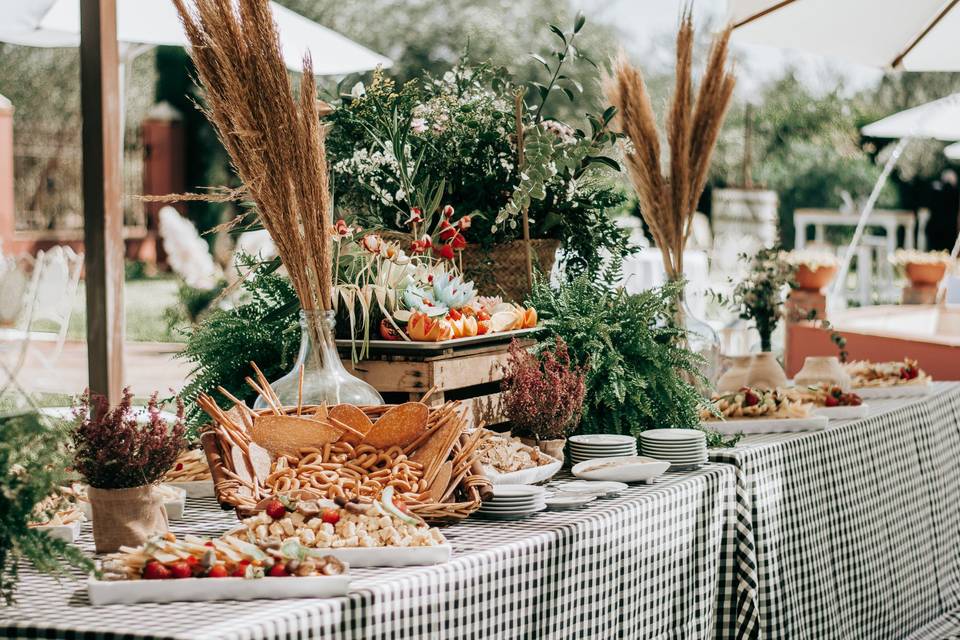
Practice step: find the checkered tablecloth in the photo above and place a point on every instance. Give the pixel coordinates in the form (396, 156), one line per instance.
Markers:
(670, 560)
(857, 528)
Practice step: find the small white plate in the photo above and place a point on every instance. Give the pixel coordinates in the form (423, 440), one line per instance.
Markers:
(195, 488)
(507, 516)
(624, 469)
(507, 491)
(532, 475)
(843, 413)
(606, 489)
(601, 439)
(66, 532)
(391, 556)
(513, 507)
(673, 435)
(564, 502)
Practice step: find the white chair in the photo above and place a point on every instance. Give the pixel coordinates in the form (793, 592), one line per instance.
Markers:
(49, 299)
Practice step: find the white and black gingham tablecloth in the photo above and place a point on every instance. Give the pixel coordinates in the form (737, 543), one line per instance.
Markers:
(857, 528)
(671, 560)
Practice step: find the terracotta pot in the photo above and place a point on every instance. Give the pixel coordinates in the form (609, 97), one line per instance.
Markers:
(765, 372)
(926, 273)
(126, 517)
(736, 376)
(502, 269)
(814, 279)
(822, 369)
(553, 448)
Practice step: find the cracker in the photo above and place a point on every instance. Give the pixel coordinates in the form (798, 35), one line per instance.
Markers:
(260, 460)
(286, 435)
(399, 426)
(438, 488)
(437, 444)
(354, 417)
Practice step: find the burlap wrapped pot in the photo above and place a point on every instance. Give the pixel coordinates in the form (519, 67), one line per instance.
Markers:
(126, 517)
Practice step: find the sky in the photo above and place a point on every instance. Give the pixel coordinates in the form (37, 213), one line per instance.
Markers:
(645, 24)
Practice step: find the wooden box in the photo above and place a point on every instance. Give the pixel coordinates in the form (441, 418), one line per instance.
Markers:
(469, 374)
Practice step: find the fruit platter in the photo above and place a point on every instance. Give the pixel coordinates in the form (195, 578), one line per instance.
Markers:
(750, 410)
(896, 379)
(832, 401)
(193, 569)
(421, 454)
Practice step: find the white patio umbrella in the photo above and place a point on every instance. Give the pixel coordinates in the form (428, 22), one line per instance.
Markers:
(952, 151)
(147, 23)
(938, 120)
(915, 35)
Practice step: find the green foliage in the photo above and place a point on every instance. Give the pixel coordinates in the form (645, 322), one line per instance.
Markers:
(631, 348)
(192, 303)
(264, 329)
(33, 460)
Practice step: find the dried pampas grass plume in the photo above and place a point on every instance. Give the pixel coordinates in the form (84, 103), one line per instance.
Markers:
(274, 138)
(668, 202)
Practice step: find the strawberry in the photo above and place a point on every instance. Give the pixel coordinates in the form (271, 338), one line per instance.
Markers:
(155, 571)
(331, 516)
(279, 570)
(180, 570)
(750, 399)
(831, 401)
(217, 571)
(276, 509)
(240, 571)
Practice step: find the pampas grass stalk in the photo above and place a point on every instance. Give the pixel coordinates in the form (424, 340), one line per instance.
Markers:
(275, 139)
(668, 202)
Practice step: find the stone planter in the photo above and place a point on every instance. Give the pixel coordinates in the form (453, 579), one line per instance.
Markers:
(820, 370)
(765, 372)
(925, 273)
(736, 376)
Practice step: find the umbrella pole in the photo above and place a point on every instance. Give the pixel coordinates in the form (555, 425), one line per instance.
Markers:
(839, 283)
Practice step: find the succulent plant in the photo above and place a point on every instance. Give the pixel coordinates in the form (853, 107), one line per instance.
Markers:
(447, 292)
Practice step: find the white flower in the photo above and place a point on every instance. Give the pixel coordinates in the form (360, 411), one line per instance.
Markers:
(187, 253)
(418, 125)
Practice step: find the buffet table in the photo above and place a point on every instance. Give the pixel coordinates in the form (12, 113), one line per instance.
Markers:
(671, 559)
(857, 527)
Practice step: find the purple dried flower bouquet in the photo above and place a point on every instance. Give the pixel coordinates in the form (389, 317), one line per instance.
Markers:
(119, 447)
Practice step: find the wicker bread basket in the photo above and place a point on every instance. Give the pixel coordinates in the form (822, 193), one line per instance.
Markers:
(459, 497)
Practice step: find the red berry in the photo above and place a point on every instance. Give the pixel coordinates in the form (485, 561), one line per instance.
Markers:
(181, 570)
(208, 543)
(279, 570)
(191, 560)
(831, 401)
(217, 571)
(276, 510)
(155, 571)
(750, 399)
(331, 516)
(240, 572)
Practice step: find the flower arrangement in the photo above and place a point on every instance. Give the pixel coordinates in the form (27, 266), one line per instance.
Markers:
(115, 449)
(813, 270)
(760, 295)
(903, 257)
(542, 394)
(922, 268)
(33, 462)
(813, 259)
(398, 152)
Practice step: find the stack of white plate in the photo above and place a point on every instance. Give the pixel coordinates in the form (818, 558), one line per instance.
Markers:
(513, 501)
(600, 445)
(684, 449)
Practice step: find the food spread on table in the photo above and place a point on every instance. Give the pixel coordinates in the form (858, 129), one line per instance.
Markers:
(57, 510)
(830, 395)
(344, 452)
(165, 557)
(748, 403)
(385, 522)
(886, 374)
(191, 466)
(504, 454)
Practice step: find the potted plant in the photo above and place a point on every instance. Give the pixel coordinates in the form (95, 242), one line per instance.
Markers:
(814, 269)
(760, 297)
(486, 147)
(922, 268)
(122, 456)
(542, 395)
(33, 462)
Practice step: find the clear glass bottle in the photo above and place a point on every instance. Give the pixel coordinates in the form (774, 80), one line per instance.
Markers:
(325, 380)
(702, 340)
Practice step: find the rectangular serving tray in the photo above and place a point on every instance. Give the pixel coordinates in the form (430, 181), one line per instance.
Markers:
(413, 345)
(761, 425)
(390, 556)
(843, 413)
(103, 592)
(894, 391)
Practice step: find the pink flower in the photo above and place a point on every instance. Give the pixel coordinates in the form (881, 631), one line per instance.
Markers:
(372, 243)
(416, 215)
(447, 230)
(341, 229)
(464, 222)
(447, 211)
(446, 252)
(458, 242)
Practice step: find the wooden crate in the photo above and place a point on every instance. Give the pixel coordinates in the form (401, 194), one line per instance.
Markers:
(469, 374)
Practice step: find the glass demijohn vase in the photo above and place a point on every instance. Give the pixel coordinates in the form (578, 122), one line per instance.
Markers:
(702, 340)
(325, 380)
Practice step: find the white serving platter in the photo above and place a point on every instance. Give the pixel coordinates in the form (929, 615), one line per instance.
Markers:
(103, 592)
(621, 469)
(390, 556)
(415, 345)
(894, 391)
(195, 488)
(66, 532)
(843, 413)
(533, 475)
(762, 425)
(602, 439)
(601, 489)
